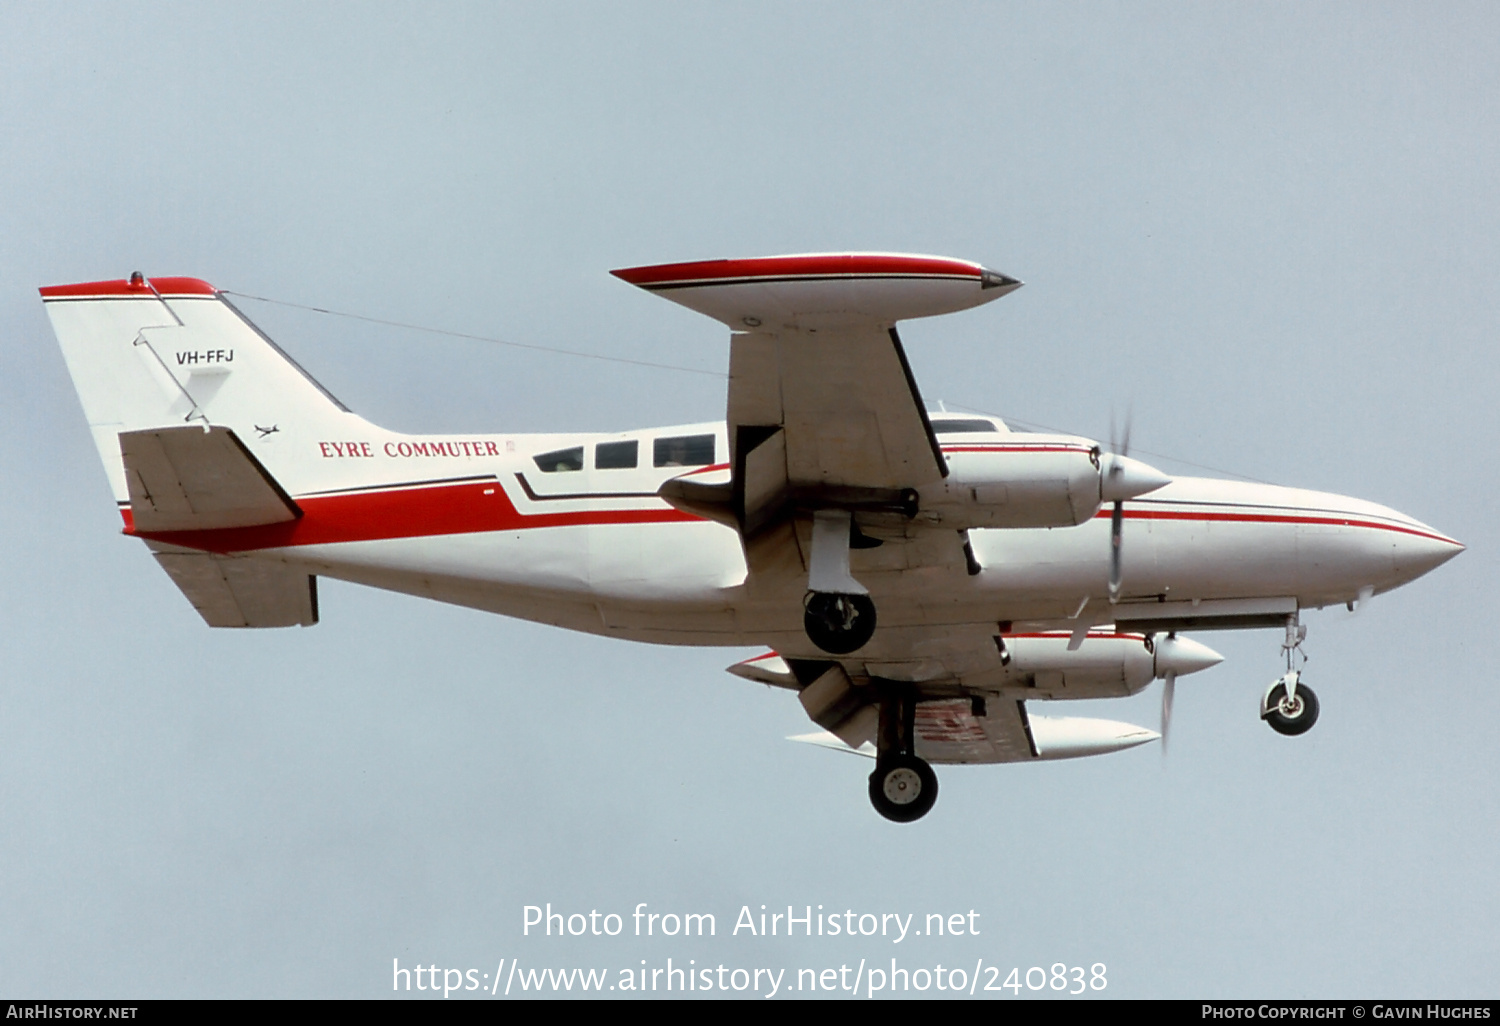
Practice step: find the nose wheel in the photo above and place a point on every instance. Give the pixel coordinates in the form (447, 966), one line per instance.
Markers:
(1289, 706)
(1290, 714)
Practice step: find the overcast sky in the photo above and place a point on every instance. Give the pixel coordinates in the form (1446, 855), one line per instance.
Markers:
(1270, 231)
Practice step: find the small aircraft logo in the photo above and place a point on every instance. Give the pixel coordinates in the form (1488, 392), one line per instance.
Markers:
(267, 431)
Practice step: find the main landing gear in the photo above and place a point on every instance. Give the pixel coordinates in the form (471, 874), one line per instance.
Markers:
(1289, 706)
(838, 624)
(838, 613)
(903, 787)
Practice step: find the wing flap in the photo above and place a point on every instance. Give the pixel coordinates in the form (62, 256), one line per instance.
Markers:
(962, 730)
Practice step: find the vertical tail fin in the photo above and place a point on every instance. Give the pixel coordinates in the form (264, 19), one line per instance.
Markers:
(173, 351)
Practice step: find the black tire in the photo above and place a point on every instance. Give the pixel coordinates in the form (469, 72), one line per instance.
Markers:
(1296, 721)
(903, 788)
(838, 624)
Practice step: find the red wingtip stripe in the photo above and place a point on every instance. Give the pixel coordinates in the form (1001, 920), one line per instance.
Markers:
(811, 265)
(92, 289)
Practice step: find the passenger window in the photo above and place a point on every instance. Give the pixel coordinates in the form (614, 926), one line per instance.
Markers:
(684, 451)
(616, 455)
(562, 459)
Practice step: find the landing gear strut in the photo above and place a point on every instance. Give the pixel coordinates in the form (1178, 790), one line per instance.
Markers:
(1289, 706)
(838, 614)
(903, 787)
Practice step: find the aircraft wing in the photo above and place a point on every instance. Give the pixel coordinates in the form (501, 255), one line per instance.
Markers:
(953, 731)
(950, 732)
(831, 410)
(822, 401)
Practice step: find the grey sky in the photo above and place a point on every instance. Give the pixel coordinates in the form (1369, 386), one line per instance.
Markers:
(1270, 230)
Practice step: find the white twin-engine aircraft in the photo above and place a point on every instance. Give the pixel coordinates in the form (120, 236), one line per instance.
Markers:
(918, 578)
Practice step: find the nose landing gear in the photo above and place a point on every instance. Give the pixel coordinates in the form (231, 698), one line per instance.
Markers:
(1290, 707)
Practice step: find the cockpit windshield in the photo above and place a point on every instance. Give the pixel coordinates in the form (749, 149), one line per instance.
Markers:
(968, 425)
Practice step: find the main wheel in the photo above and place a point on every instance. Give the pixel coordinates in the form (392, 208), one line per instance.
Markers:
(838, 624)
(903, 788)
(1294, 717)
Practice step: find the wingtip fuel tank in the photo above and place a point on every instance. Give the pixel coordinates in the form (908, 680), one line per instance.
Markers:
(1072, 737)
(817, 290)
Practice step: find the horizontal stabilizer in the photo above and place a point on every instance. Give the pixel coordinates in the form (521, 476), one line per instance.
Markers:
(191, 479)
(769, 668)
(823, 739)
(233, 591)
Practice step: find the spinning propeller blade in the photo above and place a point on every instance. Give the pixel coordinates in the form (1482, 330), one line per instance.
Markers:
(1116, 524)
(1174, 657)
(1117, 517)
(1169, 689)
(1121, 478)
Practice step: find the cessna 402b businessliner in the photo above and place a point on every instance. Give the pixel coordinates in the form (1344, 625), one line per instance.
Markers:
(920, 580)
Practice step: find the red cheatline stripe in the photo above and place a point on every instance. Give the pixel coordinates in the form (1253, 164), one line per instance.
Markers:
(812, 265)
(101, 289)
(1273, 518)
(476, 506)
(408, 513)
(1002, 447)
(706, 470)
(759, 658)
(1059, 635)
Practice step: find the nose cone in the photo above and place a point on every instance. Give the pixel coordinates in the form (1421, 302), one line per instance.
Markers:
(989, 279)
(1121, 478)
(1420, 549)
(1183, 656)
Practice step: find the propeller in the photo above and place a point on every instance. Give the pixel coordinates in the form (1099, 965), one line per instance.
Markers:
(1121, 478)
(1112, 480)
(1169, 689)
(1118, 515)
(1116, 529)
(1175, 656)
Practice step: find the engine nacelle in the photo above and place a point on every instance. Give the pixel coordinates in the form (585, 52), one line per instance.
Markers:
(1110, 663)
(1030, 480)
